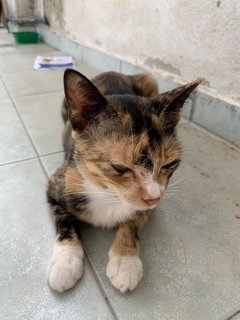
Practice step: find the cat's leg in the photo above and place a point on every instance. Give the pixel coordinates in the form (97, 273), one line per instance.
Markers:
(124, 268)
(65, 267)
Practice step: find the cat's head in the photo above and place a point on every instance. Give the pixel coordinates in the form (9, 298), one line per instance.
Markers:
(126, 144)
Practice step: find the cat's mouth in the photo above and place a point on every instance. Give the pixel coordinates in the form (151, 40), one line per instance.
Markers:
(142, 204)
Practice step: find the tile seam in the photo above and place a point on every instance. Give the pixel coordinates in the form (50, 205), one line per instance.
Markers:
(24, 126)
(100, 286)
(34, 94)
(17, 161)
(233, 315)
(193, 107)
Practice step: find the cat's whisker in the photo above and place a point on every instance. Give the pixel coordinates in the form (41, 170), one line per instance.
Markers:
(176, 182)
(87, 193)
(104, 202)
(174, 197)
(173, 194)
(96, 204)
(172, 190)
(174, 187)
(174, 201)
(76, 182)
(130, 123)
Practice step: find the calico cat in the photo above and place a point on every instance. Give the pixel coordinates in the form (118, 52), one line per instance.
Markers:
(121, 149)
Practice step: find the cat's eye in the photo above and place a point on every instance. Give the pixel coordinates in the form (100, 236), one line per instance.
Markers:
(119, 169)
(171, 165)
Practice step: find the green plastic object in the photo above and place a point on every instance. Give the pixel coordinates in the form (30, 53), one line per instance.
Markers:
(26, 37)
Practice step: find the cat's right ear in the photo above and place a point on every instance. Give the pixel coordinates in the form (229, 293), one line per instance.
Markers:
(85, 102)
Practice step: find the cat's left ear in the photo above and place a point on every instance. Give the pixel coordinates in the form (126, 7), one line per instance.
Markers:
(85, 102)
(172, 101)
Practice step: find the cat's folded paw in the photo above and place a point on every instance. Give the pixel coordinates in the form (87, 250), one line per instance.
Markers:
(65, 267)
(124, 272)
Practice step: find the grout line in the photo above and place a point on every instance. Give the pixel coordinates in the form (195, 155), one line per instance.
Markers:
(120, 66)
(233, 315)
(32, 53)
(193, 106)
(51, 153)
(17, 161)
(101, 287)
(28, 159)
(215, 135)
(37, 94)
(23, 124)
(43, 168)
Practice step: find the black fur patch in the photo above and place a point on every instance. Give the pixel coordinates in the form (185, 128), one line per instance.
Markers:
(154, 135)
(145, 161)
(67, 225)
(76, 202)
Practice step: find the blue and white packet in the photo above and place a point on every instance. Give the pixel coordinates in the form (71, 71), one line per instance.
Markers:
(46, 63)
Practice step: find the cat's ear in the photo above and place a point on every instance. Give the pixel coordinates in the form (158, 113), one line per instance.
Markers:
(172, 101)
(85, 102)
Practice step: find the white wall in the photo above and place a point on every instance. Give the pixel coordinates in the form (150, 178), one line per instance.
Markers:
(180, 39)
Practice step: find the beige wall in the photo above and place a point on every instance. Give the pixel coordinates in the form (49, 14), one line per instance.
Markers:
(20, 8)
(177, 39)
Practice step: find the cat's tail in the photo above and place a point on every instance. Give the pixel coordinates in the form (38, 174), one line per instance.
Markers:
(64, 111)
(144, 85)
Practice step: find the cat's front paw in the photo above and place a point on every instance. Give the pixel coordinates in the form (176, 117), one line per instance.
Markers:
(65, 267)
(124, 272)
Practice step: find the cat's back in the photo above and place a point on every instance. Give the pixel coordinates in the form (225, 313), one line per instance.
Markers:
(115, 83)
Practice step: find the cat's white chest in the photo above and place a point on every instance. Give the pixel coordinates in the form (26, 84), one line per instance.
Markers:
(105, 209)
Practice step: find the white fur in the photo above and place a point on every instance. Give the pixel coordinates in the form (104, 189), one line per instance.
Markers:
(152, 188)
(124, 272)
(106, 209)
(65, 266)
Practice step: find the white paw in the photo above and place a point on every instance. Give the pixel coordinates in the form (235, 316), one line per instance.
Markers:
(65, 267)
(124, 272)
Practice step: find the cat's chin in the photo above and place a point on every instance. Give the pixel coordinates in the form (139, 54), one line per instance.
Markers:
(138, 207)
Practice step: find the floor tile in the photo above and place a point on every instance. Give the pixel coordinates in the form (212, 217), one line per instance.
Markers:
(220, 117)
(14, 142)
(190, 246)
(42, 117)
(8, 45)
(39, 47)
(52, 162)
(3, 92)
(26, 245)
(236, 317)
(30, 82)
(213, 158)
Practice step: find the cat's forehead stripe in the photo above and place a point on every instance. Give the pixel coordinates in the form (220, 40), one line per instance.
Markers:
(145, 161)
(136, 118)
(140, 119)
(154, 135)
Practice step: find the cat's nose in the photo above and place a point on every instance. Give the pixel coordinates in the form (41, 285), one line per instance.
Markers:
(151, 201)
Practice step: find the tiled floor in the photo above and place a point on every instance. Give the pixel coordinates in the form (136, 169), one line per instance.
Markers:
(190, 247)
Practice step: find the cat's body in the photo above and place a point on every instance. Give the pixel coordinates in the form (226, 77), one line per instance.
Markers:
(121, 150)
